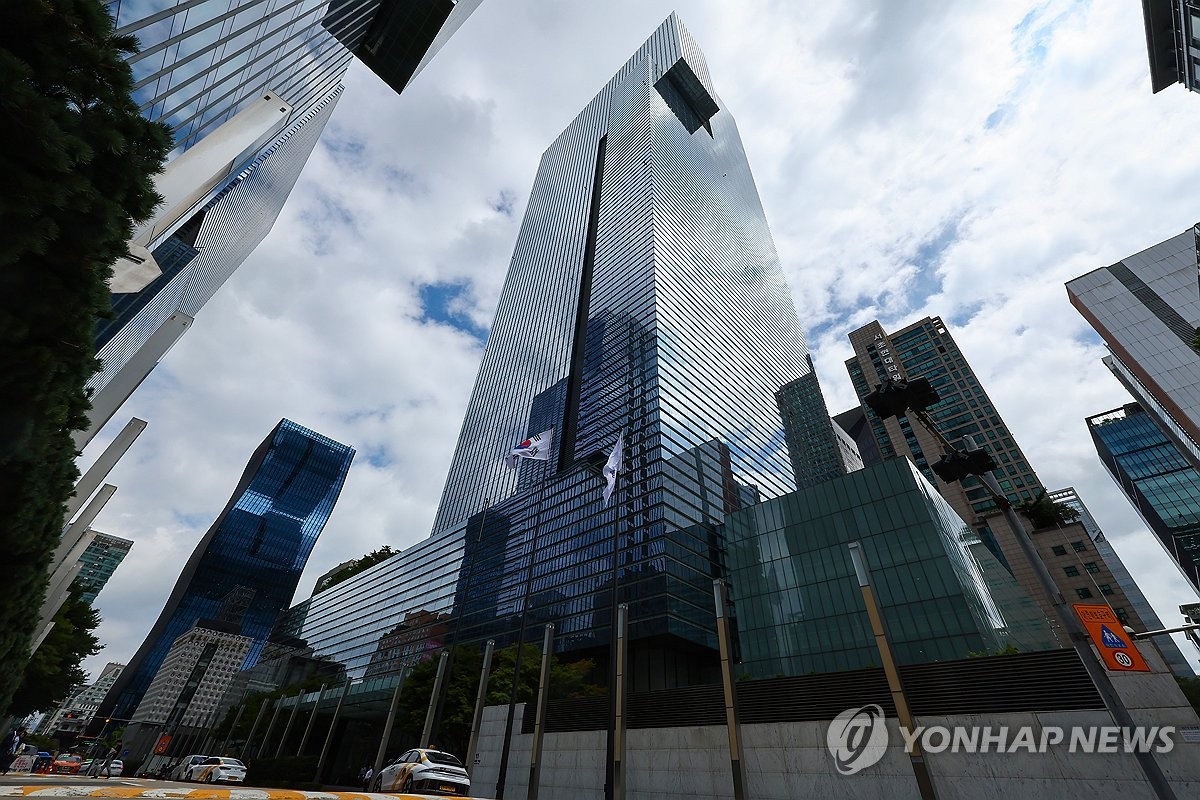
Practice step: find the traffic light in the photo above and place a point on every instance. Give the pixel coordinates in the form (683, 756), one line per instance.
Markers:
(958, 464)
(893, 398)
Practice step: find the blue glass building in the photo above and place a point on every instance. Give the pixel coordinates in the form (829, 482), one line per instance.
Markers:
(245, 569)
(644, 296)
(1159, 481)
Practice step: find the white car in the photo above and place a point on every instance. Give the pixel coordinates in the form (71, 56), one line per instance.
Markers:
(180, 771)
(427, 771)
(218, 769)
(115, 768)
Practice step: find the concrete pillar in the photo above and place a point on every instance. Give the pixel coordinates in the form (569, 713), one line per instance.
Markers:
(99, 471)
(114, 393)
(480, 699)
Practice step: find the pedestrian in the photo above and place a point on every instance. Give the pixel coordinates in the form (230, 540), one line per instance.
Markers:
(9, 747)
(367, 773)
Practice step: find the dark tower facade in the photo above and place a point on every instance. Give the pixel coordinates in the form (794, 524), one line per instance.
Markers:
(245, 570)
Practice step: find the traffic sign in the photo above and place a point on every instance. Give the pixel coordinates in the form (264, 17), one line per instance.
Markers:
(1118, 650)
(163, 741)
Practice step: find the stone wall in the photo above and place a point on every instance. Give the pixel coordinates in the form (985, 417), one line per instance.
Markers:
(791, 760)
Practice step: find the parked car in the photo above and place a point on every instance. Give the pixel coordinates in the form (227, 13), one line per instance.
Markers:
(66, 765)
(218, 769)
(179, 772)
(115, 768)
(428, 771)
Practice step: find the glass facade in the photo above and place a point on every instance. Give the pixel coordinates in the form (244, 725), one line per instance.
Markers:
(100, 560)
(644, 296)
(1161, 484)
(245, 569)
(1146, 308)
(819, 451)
(799, 607)
(202, 62)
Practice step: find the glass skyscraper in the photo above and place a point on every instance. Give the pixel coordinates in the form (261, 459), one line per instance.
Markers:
(1146, 307)
(245, 569)
(100, 560)
(246, 87)
(644, 297)
(1161, 484)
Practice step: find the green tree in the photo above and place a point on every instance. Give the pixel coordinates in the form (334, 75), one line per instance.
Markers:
(78, 162)
(458, 707)
(54, 669)
(1043, 512)
(356, 566)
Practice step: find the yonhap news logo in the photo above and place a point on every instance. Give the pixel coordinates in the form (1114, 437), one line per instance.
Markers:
(857, 738)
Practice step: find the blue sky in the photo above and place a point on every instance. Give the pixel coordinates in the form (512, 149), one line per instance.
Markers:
(954, 159)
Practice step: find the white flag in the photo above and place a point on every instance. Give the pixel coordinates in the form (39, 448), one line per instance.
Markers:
(535, 447)
(613, 467)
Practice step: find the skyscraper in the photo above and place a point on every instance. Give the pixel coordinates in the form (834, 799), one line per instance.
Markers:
(927, 349)
(245, 569)
(1162, 485)
(819, 449)
(247, 87)
(100, 560)
(644, 296)
(1146, 307)
(1173, 42)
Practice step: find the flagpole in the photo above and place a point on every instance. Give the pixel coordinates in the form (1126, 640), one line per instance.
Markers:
(613, 782)
(512, 698)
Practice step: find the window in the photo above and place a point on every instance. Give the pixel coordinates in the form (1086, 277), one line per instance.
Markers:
(1121, 613)
(1079, 547)
(1059, 550)
(1071, 571)
(1091, 567)
(1084, 593)
(1105, 589)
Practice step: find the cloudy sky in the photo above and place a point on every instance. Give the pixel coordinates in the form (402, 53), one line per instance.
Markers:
(918, 158)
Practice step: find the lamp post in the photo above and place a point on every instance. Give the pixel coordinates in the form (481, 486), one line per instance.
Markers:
(912, 398)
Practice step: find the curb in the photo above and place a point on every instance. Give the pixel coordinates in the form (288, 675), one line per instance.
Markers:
(193, 794)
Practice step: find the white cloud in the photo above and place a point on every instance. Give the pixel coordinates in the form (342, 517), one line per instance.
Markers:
(960, 160)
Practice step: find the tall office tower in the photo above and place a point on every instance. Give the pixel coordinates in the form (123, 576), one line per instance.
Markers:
(245, 569)
(1173, 42)
(246, 86)
(644, 298)
(926, 349)
(99, 561)
(819, 449)
(1162, 485)
(1147, 309)
(1126, 589)
(80, 706)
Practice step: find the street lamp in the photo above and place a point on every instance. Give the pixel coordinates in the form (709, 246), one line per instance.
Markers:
(912, 398)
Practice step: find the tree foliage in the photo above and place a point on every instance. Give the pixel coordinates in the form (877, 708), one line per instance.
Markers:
(462, 685)
(356, 566)
(1043, 512)
(54, 670)
(78, 162)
